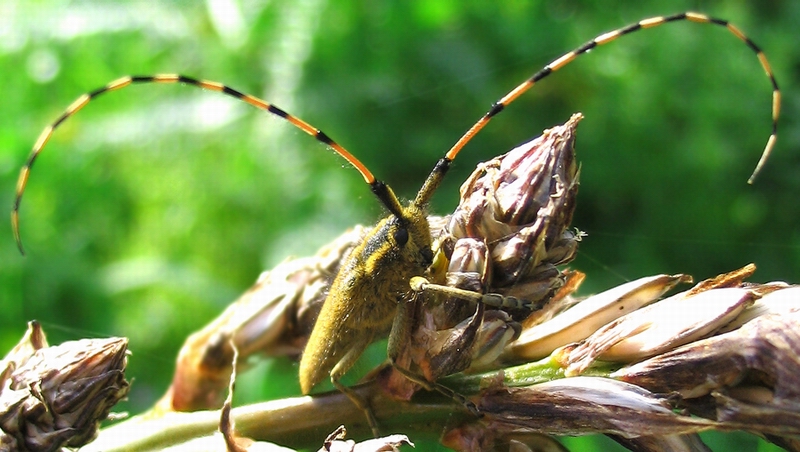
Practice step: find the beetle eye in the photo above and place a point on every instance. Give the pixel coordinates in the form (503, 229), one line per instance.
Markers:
(401, 236)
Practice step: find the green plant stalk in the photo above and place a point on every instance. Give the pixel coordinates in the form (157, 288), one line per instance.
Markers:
(304, 422)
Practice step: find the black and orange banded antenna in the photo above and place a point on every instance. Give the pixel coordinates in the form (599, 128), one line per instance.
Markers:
(381, 190)
(606, 38)
(83, 100)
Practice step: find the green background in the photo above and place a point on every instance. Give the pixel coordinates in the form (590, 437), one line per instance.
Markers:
(157, 205)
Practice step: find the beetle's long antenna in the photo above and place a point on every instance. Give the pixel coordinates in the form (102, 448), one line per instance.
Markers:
(381, 190)
(605, 38)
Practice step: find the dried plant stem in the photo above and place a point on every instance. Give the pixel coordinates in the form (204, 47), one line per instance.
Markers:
(298, 422)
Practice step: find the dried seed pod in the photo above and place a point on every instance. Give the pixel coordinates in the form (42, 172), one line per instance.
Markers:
(583, 319)
(469, 268)
(450, 333)
(710, 310)
(58, 396)
(768, 346)
(746, 379)
(583, 405)
(510, 230)
(783, 300)
(511, 205)
(662, 326)
(497, 331)
(521, 204)
(34, 339)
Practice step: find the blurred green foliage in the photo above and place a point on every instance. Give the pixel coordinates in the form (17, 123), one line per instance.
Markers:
(157, 205)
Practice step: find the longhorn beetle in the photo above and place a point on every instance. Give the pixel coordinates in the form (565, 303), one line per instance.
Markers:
(367, 299)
